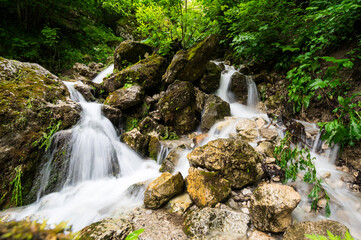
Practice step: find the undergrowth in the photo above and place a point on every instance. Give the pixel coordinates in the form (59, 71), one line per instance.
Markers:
(17, 197)
(330, 236)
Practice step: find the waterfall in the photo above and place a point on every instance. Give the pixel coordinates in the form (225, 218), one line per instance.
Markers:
(103, 74)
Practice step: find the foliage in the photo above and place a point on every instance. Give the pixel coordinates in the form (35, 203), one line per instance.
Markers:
(341, 130)
(292, 160)
(47, 137)
(26, 230)
(17, 197)
(131, 123)
(330, 236)
(134, 235)
(169, 135)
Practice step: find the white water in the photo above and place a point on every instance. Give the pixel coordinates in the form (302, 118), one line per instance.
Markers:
(103, 74)
(95, 189)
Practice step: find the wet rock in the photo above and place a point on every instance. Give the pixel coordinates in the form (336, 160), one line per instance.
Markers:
(214, 109)
(177, 107)
(257, 235)
(85, 90)
(107, 229)
(180, 204)
(183, 63)
(297, 231)
(207, 188)
(113, 114)
(272, 206)
(268, 133)
(239, 87)
(162, 189)
(247, 129)
(266, 148)
(234, 159)
(125, 98)
(211, 79)
(215, 223)
(151, 127)
(129, 52)
(201, 98)
(171, 160)
(84, 70)
(153, 147)
(260, 122)
(137, 141)
(146, 73)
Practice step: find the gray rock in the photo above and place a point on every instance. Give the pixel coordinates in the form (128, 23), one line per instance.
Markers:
(125, 98)
(137, 141)
(239, 87)
(214, 109)
(129, 52)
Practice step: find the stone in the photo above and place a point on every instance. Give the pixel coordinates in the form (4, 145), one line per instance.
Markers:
(146, 73)
(260, 122)
(214, 109)
(268, 133)
(247, 129)
(84, 70)
(211, 79)
(150, 126)
(130, 52)
(153, 147)
(113, 114)
(125, 98)
(171, 160)
(297, 231)
(234, 159)
(86, 91)
(266, 148)
(177, 107)
(210, 222)
(162, 189)
(272, 205)
(107, 229)
(257, 235)
(207, 188)
(239, 87)
(137, 141)
(180, 204)
(201, 98)
(183, 62)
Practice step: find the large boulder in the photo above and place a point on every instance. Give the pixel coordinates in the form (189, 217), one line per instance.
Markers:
(272, 206)
(297, 231)
(177, 107)
(239, 87)
(137, 141)
(191, 65)
(113, 114)
(130, 52)
(146, 73)
(213, 223)
(162, 189)
(211, 80)
(125, 98)
(84, 70)
(214, 109)
(234, 159)
(207, 188)
(107, 229)
(33, 102)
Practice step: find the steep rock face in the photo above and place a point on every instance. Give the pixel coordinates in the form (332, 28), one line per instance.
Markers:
(211, 79)
(177, 107)
(162, 189)
(214, 109)
(207, 188)
(146, 73)
(298, 230)
(33, 102)
(130, 52)
(125, 98)
(234, 159)
(107, 229)
(212, 222)
(272, 206)
(191, 65)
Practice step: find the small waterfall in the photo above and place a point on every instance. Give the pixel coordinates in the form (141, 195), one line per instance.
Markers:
(253, 96)
(99, 78)
(163, 153)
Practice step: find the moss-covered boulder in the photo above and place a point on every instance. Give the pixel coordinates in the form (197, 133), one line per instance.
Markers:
(137, 141)
(146, 73)
(207, 188)
(298, 230)
(151, 127)
(272, 206)
(125, 98)
(216, 223)
(214, 109)
(33, 102)
(211, 79)
(178, 108)
(106, 229)
(191, 65)
(162, 189)
(129, 52)
(233, 159)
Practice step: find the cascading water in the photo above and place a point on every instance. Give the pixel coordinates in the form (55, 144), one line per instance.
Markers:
(103, 74)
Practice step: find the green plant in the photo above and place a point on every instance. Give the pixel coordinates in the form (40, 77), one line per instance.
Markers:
(17, 197)
(292, 160)
(45, 140)
(346, 127)
(134, 235)
(330, 236)
(131, 123)
(169, 135)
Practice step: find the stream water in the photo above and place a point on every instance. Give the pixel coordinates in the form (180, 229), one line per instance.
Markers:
(101, 168)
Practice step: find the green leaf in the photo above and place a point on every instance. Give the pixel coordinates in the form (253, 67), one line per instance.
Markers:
(134, 235)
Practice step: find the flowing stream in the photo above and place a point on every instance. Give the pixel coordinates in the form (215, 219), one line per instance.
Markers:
(101, 168)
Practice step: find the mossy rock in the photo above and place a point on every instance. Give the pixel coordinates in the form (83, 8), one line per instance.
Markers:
(215, 109)
(211, 79)
(137, 141)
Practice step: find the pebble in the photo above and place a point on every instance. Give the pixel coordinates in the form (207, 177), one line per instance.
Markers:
(326, 175)
(246, 192)
(322, 203)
